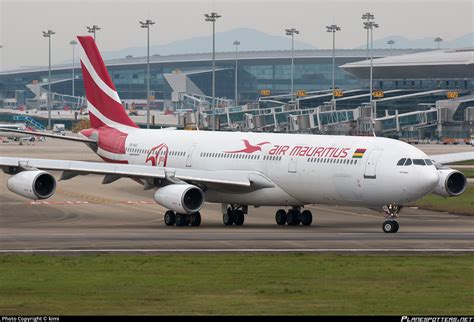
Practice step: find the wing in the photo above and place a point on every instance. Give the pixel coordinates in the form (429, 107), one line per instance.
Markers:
(49, 135)
(453, 157)
(216, 179)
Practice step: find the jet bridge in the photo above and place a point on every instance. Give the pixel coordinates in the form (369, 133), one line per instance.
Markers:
(405, 121)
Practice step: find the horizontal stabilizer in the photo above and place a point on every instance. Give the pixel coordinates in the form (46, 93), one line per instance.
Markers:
(50, 135)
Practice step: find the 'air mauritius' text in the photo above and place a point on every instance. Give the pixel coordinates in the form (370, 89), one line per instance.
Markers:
(309, 151)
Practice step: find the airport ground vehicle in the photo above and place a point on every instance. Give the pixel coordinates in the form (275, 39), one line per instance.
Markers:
(59, 129)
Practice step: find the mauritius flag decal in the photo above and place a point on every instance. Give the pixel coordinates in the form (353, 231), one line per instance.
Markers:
(359, 153)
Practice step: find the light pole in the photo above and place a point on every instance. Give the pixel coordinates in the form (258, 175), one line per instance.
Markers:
(48, 34)
(236, 44)
(73, 43)
(333, 29)
(367, 16)
(147, 25)
(212, 17)
(370, 26)
(291, 32)
(93, 29)
(391, 43)
(438, 40)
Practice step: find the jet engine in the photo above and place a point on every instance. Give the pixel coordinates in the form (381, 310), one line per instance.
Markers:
(181, 198)
(32, 184)
(451, 183)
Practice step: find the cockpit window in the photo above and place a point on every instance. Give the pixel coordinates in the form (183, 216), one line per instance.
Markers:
(419, 162)
(428, 162)
(408, 162)
(401, 162)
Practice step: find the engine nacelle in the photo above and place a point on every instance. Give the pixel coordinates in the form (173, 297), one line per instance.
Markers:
(181, 198)
(34, 184)
(451, 183)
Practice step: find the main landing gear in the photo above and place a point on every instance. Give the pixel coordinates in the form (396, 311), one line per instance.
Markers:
(294, 217)
(172, 218)
(234, 215)
(390, 225)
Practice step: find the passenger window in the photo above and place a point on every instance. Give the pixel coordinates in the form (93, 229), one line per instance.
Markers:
(408, 162)
(428, 162)
(402, 161)
(419, 162)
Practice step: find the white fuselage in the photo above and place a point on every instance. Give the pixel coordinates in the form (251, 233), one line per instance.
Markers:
(305, 169)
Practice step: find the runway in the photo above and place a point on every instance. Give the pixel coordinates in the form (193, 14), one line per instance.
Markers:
(85, 216)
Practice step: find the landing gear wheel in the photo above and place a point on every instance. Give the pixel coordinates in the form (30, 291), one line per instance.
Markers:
(239, 217)
(306, 218)
(181, 220)
(195, 219)
(228, 217)
(280, 217)
(397, 226)
(293, 217)
(170, 218)
(390, 226)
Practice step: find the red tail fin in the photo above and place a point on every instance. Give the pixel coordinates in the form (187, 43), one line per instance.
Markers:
(105, 107)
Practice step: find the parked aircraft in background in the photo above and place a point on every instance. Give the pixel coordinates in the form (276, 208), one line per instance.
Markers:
(17, 136)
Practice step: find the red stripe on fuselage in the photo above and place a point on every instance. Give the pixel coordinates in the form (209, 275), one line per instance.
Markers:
(110, 139)
(113, 161)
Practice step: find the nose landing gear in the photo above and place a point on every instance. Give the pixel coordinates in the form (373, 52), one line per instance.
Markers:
(390, 225)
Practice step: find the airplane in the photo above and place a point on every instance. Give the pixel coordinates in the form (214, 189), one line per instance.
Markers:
(16, 136)
(238, 169)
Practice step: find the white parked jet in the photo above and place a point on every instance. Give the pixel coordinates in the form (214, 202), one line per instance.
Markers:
(14, 126)
(188, 168)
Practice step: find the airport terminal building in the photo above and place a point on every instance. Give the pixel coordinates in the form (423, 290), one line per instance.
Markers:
(427, 70)
(426, 93)
(258, 70)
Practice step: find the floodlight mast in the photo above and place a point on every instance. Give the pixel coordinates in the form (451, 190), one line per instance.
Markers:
(236, 44)
(73, 43)
(212, 17)
(93, 30)
(292, 32)
(147, 25)
(48, 35)
(368, 17)
(371, 26)
(333, 29)
(391, 43)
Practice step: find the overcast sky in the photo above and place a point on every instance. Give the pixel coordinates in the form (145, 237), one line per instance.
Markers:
(23, 20)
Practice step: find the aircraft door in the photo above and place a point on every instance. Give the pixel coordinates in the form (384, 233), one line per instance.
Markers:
(190, 156)
(292, 166)
(371, 163)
